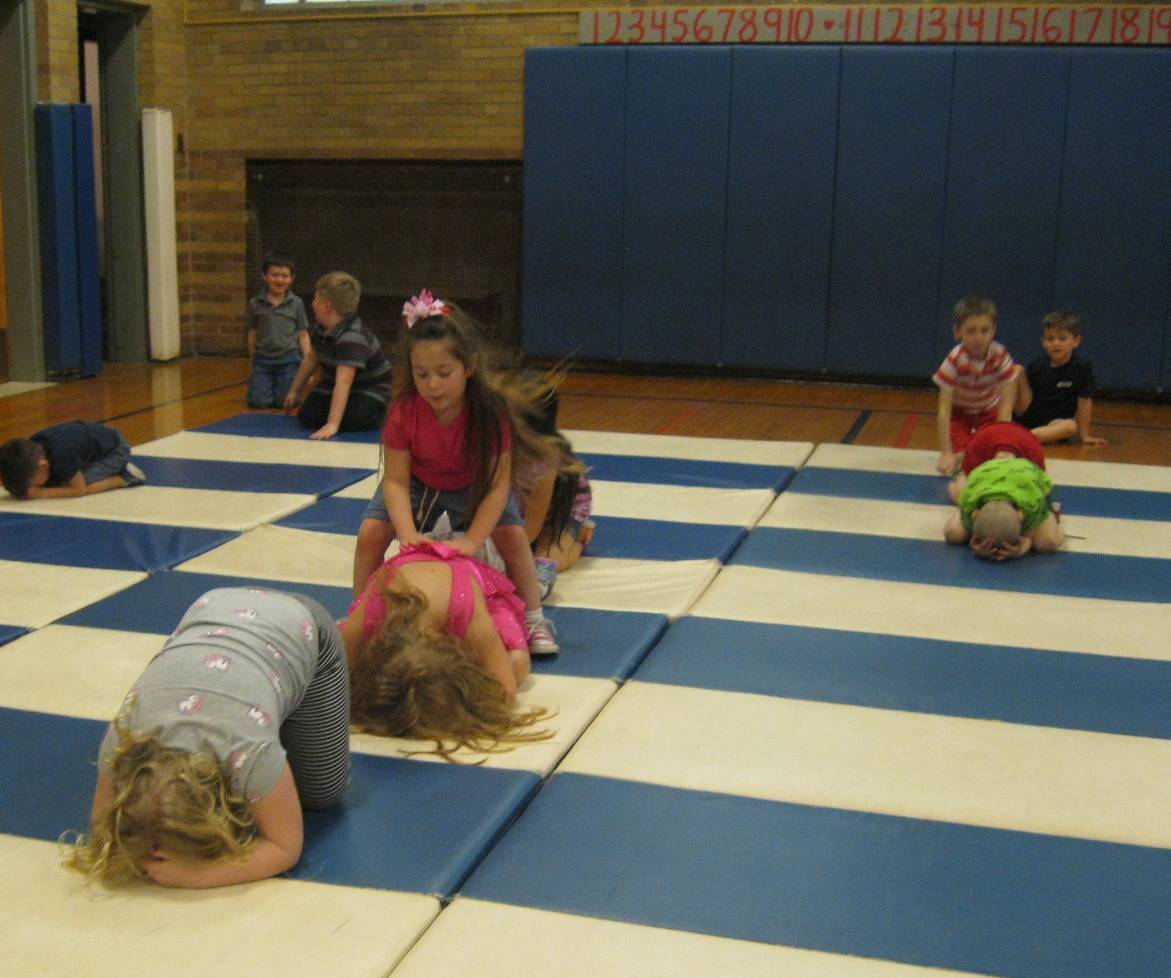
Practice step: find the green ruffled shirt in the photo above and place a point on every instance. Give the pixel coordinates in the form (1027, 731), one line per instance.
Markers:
(1016, 479)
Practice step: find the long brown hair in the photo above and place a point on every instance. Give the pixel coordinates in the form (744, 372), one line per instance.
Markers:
(493, 397)
(410, 680)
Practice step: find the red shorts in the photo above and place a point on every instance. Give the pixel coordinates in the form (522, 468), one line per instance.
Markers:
(1003, 436)
(964, 425)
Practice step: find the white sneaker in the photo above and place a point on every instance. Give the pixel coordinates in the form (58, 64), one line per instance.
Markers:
(543, 638)
(132, 475)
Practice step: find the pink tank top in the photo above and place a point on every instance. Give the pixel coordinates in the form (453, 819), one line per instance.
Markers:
(504, 605)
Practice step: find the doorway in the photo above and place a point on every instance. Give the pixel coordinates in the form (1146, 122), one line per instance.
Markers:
(108, 73)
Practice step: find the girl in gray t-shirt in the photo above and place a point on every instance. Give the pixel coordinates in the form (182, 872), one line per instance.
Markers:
(239, 721)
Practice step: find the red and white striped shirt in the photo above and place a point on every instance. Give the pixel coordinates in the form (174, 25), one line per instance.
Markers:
(975, 383)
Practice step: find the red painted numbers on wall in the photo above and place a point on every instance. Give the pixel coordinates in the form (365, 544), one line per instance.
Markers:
(880, 24)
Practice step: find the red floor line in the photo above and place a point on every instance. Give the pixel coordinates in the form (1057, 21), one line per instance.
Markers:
(681, 418)
(903, 439)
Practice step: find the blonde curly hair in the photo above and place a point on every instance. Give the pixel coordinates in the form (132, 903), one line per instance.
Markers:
(173, 799)
(410, 680)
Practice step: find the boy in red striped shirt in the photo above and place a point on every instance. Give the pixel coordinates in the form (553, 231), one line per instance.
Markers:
(975, 380)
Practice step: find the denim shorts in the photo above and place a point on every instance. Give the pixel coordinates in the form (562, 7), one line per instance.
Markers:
(429, 504)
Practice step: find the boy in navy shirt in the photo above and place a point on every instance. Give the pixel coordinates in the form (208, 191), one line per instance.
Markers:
(1054, 397)
(74, 458)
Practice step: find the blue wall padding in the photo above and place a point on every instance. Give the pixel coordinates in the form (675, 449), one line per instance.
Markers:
(107, 544)
(1123, 504)
(404, 825)
(283, 426)
(660, 540)
(599, 644)
(1104, 693)
(89, 292)
(573, 187)
(9, 632)
(685, 472)
(888, 210)
(675, 203)
(56, 193)
(782, 144)
(910, 890)
(1115, 238)
(1003, 188)
(927, 562)
(156, 604)
(189, 473)
(329, 515)
(1036, 175)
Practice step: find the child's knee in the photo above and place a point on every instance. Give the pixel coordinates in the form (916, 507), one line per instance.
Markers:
(374, 536)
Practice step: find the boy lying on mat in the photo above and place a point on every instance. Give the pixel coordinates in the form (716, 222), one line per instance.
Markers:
(70, 459)
(1002, 496)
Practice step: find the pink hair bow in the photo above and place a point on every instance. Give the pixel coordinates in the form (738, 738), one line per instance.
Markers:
(423, 305)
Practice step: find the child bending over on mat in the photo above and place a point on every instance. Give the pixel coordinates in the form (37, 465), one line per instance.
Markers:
(975, 380)
(239, 721)
(1002, 497)
(66, 460)
(557, 512)
(1054, 397)
(437, 649)
(450, 441)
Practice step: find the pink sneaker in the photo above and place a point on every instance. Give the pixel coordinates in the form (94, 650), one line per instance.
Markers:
(543, 638)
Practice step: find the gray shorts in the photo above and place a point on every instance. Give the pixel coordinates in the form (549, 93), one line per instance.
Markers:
(429, 504)
(112, 463)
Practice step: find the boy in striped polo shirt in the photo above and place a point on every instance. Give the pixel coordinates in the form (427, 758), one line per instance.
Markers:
(975, 380)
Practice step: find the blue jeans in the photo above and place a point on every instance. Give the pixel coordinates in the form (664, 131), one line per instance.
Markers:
(271, 378)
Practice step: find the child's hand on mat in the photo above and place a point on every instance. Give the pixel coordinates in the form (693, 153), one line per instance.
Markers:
(946, 464)
(1092, 441)
(327, 430)
(292, 402)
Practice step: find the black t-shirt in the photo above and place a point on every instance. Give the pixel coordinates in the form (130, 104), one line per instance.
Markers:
(73, 446)
(1056, 389)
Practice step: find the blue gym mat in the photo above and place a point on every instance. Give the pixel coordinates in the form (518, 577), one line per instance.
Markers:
(1126, 504)
(922, 892)
(686, 472)
(156, 604)
(107, 544)
(313, 480)
(279, 426)
(9, 632)
(597, 644)
(927, 562)
(617, 536)
(432, 822)
(1109, 694)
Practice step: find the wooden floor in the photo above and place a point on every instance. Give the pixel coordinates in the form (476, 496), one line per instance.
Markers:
(148, 401)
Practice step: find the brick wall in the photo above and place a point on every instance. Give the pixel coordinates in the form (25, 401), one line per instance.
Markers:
(334, 86)
(57, 74)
